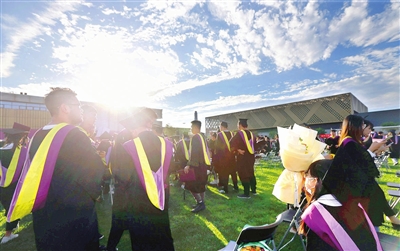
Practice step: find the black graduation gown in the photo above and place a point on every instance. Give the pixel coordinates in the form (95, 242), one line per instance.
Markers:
(361, 234)
(245, 162)
(351, 179)
(180, 157)
(332, 143)
(6, 193)
(196, 161)
(223, 159)
(149, 226)
(68, 219)
(394, 148)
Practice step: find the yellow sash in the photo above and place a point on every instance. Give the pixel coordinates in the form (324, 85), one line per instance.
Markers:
(205, 152)
(30, 186)
(151, 186)
(12, 167)
(246, 140)
(226, 140)
(185, 149)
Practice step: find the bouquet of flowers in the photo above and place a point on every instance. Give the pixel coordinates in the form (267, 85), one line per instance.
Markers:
(298, 149)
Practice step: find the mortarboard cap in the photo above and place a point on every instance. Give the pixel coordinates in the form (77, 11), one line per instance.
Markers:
(104, 145)
(16, 129)
(139, 118)
(196, 122)
(105, 135)
(243, 122)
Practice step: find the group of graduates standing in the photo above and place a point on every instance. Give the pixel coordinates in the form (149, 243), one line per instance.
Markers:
(59, 176)
(230, 154)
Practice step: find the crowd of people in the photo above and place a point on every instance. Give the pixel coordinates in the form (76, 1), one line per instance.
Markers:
(63, 171)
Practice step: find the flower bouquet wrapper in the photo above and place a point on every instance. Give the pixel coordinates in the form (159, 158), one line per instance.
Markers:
(285, 187)
(298, 149)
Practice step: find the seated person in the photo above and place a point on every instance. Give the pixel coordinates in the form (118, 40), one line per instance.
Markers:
(327, 224)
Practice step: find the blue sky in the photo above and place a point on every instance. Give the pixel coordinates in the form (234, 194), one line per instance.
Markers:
(213, 57)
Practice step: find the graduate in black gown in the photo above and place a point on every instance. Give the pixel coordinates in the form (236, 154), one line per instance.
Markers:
(323, 224)
(15, 138)
(351, 177)
(332, 142)
(68, 219)
(242, 145)
(199, 161)
(134, 210)
(224, 159)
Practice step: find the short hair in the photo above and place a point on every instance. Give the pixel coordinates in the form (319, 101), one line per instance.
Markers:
(56, 97)
(333, 130)
(224, 124)
(196, 123)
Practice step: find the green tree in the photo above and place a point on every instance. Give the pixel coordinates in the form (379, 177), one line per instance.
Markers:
(320, 130)
(390, 124)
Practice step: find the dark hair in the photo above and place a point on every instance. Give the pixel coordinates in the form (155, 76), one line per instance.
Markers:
(352, 126)
(56, 97)
(224, 124)
(317, 169)
(196, 123)
(369, 123)
(243, 122)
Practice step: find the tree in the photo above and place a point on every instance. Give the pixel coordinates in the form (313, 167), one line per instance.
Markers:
(390, 124)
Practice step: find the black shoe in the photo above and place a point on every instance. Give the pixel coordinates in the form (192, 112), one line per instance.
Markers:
(243, 196)
(102, 247)
(200, 207)
(194, 206)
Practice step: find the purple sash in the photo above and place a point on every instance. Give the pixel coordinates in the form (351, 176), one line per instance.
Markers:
(48, 170)
(20, 164)
(320, 221)
(130, 147)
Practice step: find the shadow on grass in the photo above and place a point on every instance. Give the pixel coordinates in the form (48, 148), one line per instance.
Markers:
(211, 229)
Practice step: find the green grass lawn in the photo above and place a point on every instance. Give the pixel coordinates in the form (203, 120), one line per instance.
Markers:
(212, 228)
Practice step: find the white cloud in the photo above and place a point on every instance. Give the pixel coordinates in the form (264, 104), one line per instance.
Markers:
(26, 32)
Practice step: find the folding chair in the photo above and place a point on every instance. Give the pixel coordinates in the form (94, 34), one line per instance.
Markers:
(382, 161)
(395, 199)
(395, 195)
(291, 216)
(263, 234)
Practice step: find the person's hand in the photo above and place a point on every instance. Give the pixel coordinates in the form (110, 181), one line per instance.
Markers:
(376, 145)
(186, 169)
(241, 152)
(381, 149)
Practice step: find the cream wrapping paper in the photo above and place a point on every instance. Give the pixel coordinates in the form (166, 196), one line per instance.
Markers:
(298, 149)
